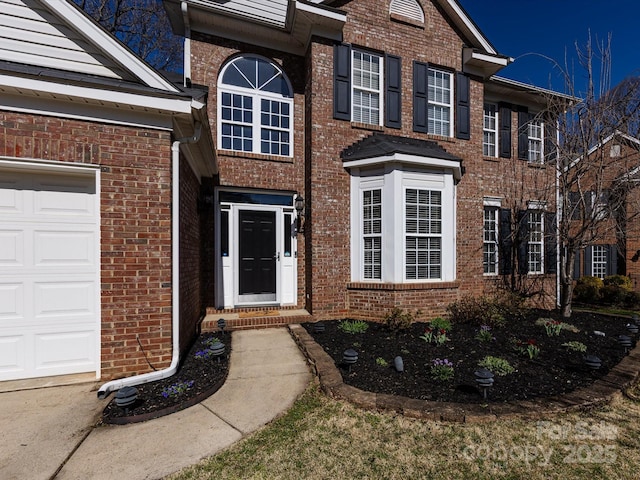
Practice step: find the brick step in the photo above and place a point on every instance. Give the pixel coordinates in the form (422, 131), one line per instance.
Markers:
(254, 319)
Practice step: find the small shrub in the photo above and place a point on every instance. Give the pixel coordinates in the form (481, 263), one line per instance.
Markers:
(398, 319)
(529, 348)
(496, 365)
(382, 362)
(353, 326)
(613, 295)
(551, 326)
(440, 323)
(621, 281)
(484, 334)
(441, 370)
(632, 300)
(437, 336)
(587, 289)
(575, 346)
(485, 311)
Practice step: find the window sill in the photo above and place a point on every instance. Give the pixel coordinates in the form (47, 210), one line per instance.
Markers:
(403, 286)
(254, 156)
(440, 138)
(491, 159)
(367, 126)
(536, 165)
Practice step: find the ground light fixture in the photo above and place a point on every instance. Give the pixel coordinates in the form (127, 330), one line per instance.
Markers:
(217, 350)
(349, 357)
(222, 324)
(632, 328)
(484, 379)
(318, 327)
(624, 341)
(593, 362)
(125, 397)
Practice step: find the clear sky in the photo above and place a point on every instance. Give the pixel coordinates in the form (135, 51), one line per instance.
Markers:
(551, 28)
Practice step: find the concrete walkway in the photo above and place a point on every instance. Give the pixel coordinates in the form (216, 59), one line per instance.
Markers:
(49, 433)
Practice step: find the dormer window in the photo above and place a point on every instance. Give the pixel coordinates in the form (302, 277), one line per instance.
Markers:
(255, 107)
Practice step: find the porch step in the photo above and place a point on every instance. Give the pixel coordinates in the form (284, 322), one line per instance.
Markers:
(254, 319)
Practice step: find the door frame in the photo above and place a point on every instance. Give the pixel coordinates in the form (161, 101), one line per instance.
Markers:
(227, 262)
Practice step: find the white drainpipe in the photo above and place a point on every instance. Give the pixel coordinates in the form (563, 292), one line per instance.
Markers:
(175, 277)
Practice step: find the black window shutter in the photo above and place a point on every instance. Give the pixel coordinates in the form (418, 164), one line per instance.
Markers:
(505, 242)
(420, 96)
(612, 260)
(523, 133)
(505, 130)
(523, 241)
(550, 243)
(576, 265)
(550, 134)
(393, 107)
(574, 206)
(342, 81)
(588, 262)
(463, 110)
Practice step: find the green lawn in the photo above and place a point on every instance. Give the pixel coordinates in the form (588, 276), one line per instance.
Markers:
(320, 438)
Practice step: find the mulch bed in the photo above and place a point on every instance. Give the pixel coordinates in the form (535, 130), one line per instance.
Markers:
(554, 371)
(208, 374)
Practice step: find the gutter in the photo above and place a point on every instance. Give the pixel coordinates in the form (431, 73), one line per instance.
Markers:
(108, 387)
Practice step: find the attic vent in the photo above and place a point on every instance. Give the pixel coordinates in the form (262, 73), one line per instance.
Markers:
(409, 9)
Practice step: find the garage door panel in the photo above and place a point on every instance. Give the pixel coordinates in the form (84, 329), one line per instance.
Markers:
(12, 243)
(11, 194)
(64, 299)
(64, 248)
(56, 353)
(66, 197)
(12, 302)
(13, 354)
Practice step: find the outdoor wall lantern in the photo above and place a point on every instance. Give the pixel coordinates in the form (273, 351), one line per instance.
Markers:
(299, 206)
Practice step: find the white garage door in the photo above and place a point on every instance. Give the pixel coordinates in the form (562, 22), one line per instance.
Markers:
(49, 264)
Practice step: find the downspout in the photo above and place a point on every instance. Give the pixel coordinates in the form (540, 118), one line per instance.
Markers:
(175, 277)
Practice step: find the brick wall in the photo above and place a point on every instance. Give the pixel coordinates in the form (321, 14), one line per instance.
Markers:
(135, 210)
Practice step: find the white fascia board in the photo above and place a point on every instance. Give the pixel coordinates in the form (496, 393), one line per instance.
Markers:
(333, 15)
(41, 105)
(483, 57)
(526, 86)
(174, 105)
(108, 44)
(468, 23)
(440, 163)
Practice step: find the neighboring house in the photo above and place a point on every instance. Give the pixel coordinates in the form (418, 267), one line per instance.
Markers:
(611, 198)
(99, 243)
(368, 159)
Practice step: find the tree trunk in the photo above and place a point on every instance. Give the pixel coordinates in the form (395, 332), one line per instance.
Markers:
(566, 298)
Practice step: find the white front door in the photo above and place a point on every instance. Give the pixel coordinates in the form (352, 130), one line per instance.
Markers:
(49, 273)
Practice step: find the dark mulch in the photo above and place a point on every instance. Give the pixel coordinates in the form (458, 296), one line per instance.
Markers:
(207, 375)
(555, 371)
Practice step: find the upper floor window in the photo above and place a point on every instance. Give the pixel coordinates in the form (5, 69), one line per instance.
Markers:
(366, 85)
(490, 131)
(535, 146)
(255, 107)
(440, 102)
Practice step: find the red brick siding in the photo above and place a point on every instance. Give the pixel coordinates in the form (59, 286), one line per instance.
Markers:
(135, 209)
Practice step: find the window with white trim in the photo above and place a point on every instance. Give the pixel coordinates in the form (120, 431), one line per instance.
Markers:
(255, 107)
(439, 116)
(367, 83)
(372, 234)
(535, 133)
(599, 257)
(535, 243)
(490, 240)
(490, 131)
(403, 225)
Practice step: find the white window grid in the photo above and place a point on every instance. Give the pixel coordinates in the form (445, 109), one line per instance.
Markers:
(367, 83)
(490, 131)
(254, 120)
(372, 234)
(423, 229)
(440, 102)
(599, 261)
(535, 133)
(490, 241)
(535, 250)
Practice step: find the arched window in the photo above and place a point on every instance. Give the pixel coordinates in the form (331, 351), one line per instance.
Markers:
(255, 107)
